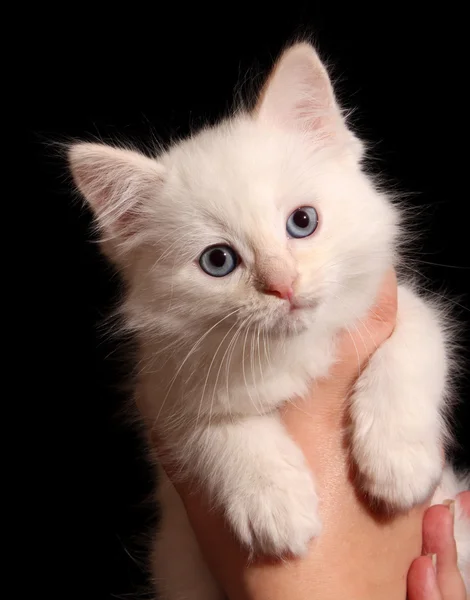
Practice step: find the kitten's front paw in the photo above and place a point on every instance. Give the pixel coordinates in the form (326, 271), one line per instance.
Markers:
(276, 515)
(398, 473)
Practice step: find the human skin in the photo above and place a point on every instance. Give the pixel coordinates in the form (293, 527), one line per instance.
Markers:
(361, 554)
(444, 581)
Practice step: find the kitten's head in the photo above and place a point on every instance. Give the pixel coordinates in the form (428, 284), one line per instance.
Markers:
(265, 219)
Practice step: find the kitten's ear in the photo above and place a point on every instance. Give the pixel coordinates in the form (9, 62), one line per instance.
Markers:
(120, 186)
(298, 94)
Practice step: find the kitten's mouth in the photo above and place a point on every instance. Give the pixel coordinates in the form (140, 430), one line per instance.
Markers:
(292, 317)
(297, 317)
(299, 305)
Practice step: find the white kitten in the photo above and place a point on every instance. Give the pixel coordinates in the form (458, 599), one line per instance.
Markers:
(245, 249)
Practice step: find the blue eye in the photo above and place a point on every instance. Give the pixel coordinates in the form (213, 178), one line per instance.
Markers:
(219, 261)
(302, 222)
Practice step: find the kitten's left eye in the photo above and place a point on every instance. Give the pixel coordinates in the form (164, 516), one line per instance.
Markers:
(302, 222)
(219, 261)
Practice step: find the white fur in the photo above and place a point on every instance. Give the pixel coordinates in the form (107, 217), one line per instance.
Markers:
(218, 356)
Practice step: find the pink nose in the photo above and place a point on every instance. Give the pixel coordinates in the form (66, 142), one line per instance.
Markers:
(285, 292)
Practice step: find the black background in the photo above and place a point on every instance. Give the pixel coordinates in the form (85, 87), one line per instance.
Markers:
(140, 72)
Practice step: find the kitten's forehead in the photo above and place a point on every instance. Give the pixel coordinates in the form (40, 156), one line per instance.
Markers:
(238, 183)
(241, 179)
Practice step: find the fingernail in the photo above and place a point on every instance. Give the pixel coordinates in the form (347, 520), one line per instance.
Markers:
(451, 506)
(433, 558)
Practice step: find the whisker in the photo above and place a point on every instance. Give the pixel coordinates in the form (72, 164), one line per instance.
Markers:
(434, 264)
(193, 349)
(243, 366)
(357, 352)
(214, 387)
(235, 339)
(231, 349)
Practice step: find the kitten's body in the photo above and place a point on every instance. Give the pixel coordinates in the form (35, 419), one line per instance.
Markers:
(220, 354)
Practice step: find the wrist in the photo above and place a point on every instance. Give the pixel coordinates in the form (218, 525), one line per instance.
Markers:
(343, 563)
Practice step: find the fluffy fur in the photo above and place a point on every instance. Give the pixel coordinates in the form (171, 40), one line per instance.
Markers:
(219, 355)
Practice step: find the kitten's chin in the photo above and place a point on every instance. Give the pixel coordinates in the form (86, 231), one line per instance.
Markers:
(295, 322)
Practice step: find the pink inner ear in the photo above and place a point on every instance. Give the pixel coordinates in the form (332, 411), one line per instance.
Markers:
(108, 203)
(119, 215)
(299, 95)
(119, 184)
(308, 114)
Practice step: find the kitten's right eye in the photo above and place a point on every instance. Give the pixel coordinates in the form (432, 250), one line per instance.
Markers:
(219, 261)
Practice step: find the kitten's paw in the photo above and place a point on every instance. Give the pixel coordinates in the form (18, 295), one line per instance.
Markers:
(276, 515)
(398, 473)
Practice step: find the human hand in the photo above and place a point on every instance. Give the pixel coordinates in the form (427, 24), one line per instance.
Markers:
(353, 539)
(438, 578)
